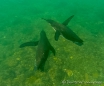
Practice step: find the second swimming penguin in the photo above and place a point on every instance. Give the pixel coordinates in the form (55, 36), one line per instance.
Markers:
(43, 49)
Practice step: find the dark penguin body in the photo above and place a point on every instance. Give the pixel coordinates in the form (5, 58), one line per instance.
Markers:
(43, 49)
(62, 29)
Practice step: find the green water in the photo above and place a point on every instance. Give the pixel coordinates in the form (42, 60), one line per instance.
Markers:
(73, 65)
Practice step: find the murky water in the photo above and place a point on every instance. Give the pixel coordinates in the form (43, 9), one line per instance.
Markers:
(21, 21)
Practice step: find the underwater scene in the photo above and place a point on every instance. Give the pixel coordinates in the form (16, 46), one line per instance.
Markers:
(52, 43)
